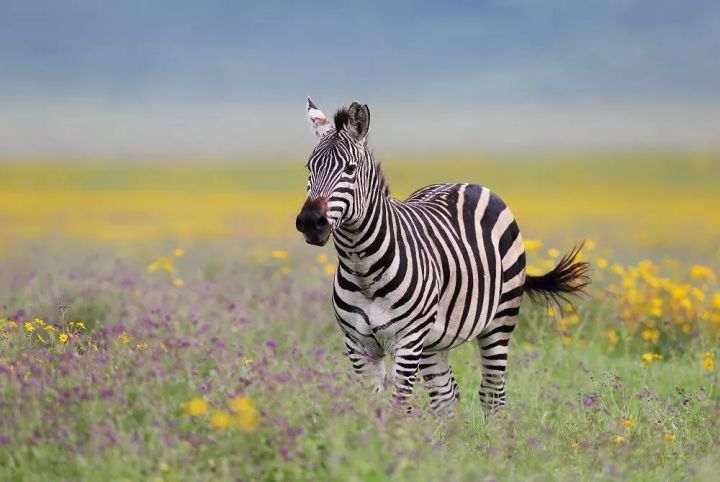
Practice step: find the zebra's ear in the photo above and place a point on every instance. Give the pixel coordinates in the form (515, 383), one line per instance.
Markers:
(358, 123)
(319, 122)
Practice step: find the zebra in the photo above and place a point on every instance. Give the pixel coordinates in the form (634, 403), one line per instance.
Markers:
(417, 278)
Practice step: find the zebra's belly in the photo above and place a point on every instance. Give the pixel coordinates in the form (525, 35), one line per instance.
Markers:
(374, 322)
(466, 306)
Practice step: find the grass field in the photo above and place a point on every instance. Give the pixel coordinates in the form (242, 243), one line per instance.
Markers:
(164, 322)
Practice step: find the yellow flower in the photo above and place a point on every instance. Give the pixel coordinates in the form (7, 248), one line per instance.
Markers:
(650, 334)
(178, 282)
(699, 271)
(698, 294)
(12, 324)
(619, 439)
(708, 361)
(63, 338)
(279, 254)
(329, 269)
(628, 422)
(613, 337)
(80, 324)
(179, 252)
(575, 445)
(247, 421)
(566, 340)
(589, 244)
(617, 269)
(196, 407)
(163, 467)
(322, 258)
(247, 416)
(716, 300)
(39, 321)
(124, 338)
(648, 358)
(220, 419)
(49, 328)
(601, 263)
(247, 361)
(553, 253)
(163, 263)
(240, 403)
(532, 244)
(668, 437)
(29, 327)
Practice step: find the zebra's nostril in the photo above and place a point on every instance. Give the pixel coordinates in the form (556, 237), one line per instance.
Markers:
(321, 222)
(299, 223)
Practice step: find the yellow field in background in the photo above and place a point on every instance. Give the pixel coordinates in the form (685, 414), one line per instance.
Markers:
(640, 200)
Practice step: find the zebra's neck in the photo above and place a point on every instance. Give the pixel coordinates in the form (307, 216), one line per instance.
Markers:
(363, 241)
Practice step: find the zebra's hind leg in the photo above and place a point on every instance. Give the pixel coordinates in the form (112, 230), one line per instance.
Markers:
(438, 379)
(369, 367)
(493, 345)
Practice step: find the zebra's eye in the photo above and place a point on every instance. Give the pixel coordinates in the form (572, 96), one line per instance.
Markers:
(350, 168)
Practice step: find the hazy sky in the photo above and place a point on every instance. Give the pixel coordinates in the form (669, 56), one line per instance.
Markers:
(173, 77)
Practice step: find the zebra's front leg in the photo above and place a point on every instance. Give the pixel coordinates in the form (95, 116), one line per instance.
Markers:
(439, 381)
(369, 367)
(406, 362)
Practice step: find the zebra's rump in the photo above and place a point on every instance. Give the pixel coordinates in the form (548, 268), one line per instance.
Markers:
(478, 251)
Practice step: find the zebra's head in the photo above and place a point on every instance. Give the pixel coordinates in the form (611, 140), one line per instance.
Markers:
(332, 168)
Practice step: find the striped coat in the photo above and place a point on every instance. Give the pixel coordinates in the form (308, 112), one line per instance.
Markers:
(418, 277)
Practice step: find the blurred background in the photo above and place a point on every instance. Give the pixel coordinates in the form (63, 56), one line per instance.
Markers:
(126, 122)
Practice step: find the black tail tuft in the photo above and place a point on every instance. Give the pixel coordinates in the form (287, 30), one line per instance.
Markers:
(567, 278)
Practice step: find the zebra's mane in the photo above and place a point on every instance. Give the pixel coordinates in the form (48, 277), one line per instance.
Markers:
(342, 116)
(341, 119)
(381, 177)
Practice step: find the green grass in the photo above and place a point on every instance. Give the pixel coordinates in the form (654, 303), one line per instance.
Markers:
(102, 410)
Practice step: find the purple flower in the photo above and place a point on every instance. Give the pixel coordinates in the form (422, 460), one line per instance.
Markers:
(4, 440)
(271, 344)
(534, 443)
(106, 393)
(295, 431)
(378, 414)
(589, 400)
(111, 436)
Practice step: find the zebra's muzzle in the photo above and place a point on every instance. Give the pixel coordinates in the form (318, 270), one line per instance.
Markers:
(313, 223)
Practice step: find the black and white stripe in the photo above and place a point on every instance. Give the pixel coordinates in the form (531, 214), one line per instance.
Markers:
(418, 277)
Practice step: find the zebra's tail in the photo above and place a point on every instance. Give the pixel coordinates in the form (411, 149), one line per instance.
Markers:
(567, 278)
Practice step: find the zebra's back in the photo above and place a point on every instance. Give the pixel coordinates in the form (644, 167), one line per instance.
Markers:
(479, 256)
